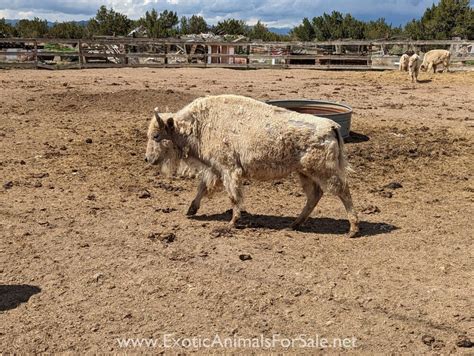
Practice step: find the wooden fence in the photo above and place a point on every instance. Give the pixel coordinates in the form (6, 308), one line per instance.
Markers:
(167, 53)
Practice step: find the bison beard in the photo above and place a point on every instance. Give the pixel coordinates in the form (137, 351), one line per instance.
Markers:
(229, 138)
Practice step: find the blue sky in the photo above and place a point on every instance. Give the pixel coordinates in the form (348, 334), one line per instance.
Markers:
(275, 13)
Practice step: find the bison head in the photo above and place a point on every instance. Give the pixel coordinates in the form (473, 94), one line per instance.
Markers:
(160, 149)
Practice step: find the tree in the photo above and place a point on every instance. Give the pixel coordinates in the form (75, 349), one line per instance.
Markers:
(6, 30)
(160, 25)
(231, 27)
(193, 25)
(304, 32)
(109, 23)
(329, 27)
(32, 28)
(377, 29)
(353, 28)
(414, 30)
(260, 32)
(184, 26)
(448, 19)
(67, 30)
(197, 24)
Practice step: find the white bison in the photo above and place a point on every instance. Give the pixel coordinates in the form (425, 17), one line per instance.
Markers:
(403, 67)
(414, 67)
(434, 58)
(228, 138)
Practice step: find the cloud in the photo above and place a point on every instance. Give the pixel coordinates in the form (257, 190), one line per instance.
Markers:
(273, 12)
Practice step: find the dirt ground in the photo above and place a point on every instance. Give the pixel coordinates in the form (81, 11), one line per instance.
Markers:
(95, 244)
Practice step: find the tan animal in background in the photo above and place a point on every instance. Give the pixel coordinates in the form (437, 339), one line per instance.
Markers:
(229, 138)
(403, 67)
(414, 67)
(434, 58)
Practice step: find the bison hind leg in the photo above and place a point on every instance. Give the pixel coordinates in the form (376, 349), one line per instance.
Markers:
(313, 194)
(340, 188)
(233, 185)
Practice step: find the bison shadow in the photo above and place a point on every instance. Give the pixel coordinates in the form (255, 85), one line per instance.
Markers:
(312, 225)
(11, 296)
(423, 81)
(355, 137)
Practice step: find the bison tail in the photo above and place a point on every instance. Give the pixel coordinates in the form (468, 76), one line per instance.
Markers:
(341, 164)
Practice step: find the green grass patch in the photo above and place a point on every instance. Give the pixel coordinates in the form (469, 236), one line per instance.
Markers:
(56, 47)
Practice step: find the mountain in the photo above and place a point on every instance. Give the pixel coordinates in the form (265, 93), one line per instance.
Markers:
(280, 30)
(50, 24)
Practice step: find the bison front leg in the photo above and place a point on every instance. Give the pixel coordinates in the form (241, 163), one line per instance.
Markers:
(313, 194)
(233, 186)
(207, 186)
(446, 66)
(196, 203)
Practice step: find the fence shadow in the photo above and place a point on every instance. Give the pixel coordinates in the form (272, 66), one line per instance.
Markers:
(11, 296)
(327, 226)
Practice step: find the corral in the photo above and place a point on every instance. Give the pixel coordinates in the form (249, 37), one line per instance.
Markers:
(119, 52)
(95, 245)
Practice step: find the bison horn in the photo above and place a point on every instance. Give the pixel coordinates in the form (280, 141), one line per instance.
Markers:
(158, 119)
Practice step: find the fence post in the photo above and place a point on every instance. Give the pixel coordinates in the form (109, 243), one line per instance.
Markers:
(248, 56)
(288, 53)
(36, 53)
(81, 59)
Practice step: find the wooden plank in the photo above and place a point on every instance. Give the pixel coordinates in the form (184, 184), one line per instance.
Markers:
(266, 66)
(342, 57)
(102, 65)
(145, 55)
(226, 65)
(22, 51)
(57, 53)
(462, 59)
(104, 55)
(58, 66)
(146, 65)
(27, 65)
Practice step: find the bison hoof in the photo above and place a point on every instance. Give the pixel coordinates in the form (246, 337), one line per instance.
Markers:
(353, 233)
(293, 227)
(192, 210)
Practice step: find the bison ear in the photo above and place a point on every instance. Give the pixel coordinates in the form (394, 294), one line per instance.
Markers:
(158, 119)
(170, 124)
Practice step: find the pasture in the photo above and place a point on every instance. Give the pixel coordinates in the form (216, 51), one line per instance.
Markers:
(95, 244)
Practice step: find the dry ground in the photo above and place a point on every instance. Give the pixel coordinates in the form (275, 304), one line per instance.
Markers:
(87, 257)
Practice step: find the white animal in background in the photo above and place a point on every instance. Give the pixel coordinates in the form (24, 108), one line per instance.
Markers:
(434, 58)
(414, 67)
(403, 67)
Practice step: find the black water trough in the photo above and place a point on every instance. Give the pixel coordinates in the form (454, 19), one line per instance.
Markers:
(340, 113)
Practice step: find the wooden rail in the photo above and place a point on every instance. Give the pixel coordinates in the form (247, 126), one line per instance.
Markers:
(144, 52)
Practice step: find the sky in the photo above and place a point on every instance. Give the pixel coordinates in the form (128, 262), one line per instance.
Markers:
(274, 13)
